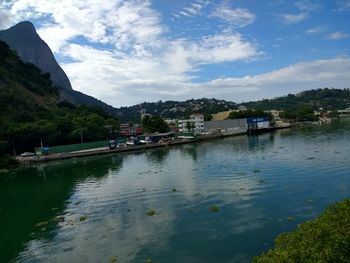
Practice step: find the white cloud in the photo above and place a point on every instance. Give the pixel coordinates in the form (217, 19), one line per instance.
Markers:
(338, 35)
(315, 30)
(307, 5)
(166, 74)
(343, 5)
(192, 9)
(169, 78)
(222, 48)
(126, 57)
(124, 24)
(294, 18)
(238, 17)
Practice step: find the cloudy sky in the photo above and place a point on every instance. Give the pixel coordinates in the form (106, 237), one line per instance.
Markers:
(129, 51)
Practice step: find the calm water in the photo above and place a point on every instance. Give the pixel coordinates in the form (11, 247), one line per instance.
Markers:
(94, 209)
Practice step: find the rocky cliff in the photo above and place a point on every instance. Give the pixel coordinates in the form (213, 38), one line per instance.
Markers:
(24, 39)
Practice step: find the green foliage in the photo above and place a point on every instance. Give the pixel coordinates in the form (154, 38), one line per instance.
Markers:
(300, 114)
(248, 113)
(329, 99)
(31, 110)
(7, 162)
(154, 124)
(208, 117)
(325, 239)
(3, 147)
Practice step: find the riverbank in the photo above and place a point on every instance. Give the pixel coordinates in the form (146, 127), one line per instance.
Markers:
(105, 150)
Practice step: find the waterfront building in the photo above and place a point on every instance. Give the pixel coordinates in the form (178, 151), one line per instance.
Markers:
(224, 126)
(195, 124)
(183, 125)
(198, 122)
(345, 112)
(258, 123)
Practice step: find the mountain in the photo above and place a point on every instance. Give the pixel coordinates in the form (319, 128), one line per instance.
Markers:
(24, 39)
(328, 99)
(31, 48)
(31, 110)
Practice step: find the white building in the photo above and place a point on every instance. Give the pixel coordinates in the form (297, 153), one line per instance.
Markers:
(183, 125)
(198, 121)
(194, 124)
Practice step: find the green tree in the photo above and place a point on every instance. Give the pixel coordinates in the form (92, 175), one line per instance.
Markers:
(154, 124)
(248, 114)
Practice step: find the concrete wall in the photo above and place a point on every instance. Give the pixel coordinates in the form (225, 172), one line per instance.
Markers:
(212, 126)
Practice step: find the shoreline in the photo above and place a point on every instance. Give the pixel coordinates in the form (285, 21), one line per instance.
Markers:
(106, 150)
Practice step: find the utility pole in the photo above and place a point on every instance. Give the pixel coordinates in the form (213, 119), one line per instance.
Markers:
(81, 135)
(14, 145)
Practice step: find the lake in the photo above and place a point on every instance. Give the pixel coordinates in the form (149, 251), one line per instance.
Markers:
(94, 209)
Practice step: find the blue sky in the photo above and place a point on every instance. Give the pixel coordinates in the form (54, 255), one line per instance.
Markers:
(130, 51)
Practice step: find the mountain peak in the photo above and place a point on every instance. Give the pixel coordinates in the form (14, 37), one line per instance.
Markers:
(24, 39)
(24, 25)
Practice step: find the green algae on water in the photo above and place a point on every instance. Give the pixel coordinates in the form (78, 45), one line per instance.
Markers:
(82, 218)
(151, 212)
(113, 259)
(214, 208)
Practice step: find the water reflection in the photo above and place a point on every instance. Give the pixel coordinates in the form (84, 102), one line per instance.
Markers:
(157, 155)
(32, 199)
(96, 207)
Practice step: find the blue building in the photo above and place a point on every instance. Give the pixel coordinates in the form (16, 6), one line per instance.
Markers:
(257, 123)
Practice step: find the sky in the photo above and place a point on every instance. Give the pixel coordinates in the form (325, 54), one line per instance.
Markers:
(125, 52)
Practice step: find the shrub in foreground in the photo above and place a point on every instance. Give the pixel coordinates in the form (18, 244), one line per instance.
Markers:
(324, 239)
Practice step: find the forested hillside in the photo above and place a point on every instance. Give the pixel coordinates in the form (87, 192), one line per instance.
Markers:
(175, 109)
(328, 99)
(31, 111)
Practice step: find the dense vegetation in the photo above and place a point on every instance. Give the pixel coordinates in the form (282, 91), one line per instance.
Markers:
(327, 99)
(325, 239)
(31, 111)
(154, 124)
(248, 114)
(301, 114)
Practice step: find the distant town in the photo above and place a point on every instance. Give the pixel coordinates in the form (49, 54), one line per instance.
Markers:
(154, 131)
